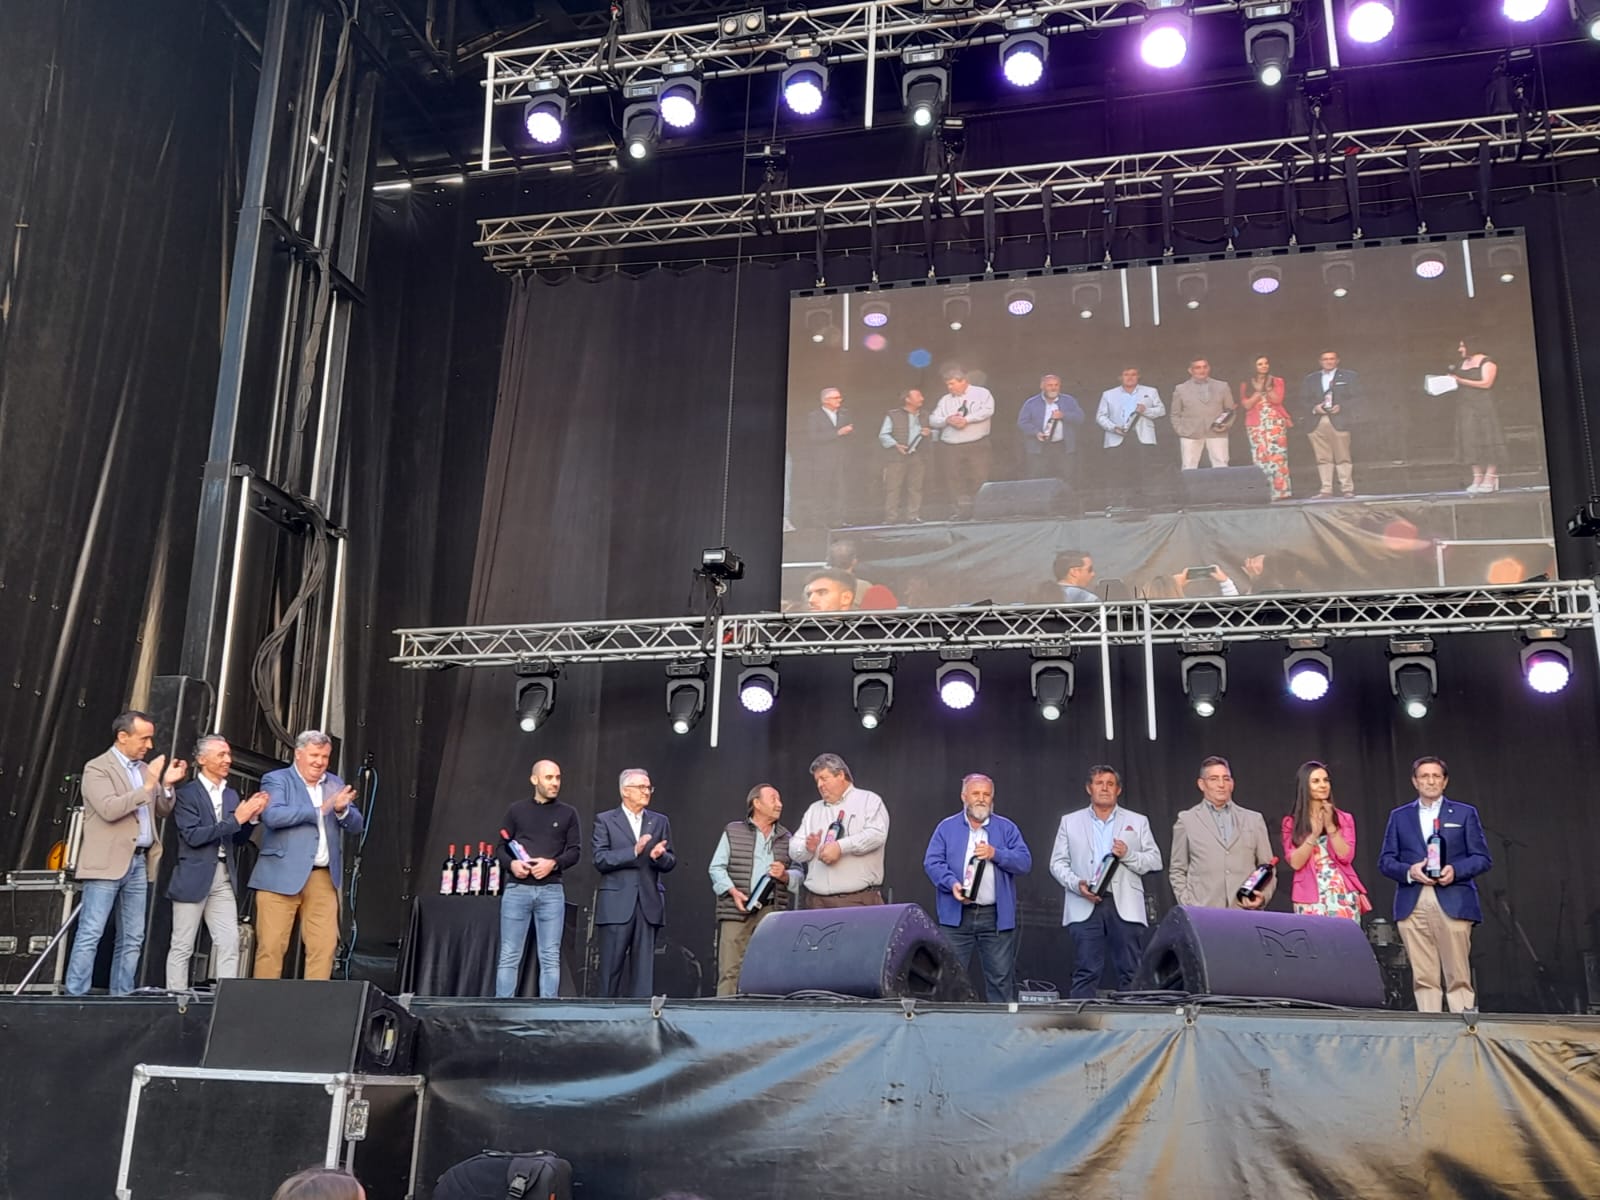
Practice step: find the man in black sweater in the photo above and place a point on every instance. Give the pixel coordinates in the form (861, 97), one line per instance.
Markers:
(544, 844)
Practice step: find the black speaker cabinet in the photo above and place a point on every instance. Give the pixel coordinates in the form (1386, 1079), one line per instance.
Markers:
(309, 1025)
(876, 952)
(1019, 498)
(1232, 952)
(1224, 487)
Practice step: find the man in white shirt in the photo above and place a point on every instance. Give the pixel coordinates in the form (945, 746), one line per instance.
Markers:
(1084, 840)
(962, 417)
(842, 837)
(1329, 398)
(1202, 411)
(211, 820)
(1127, 415)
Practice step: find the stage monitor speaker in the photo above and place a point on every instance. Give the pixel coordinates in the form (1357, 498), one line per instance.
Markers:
(876, 952)
(1230, 487)
(1019, 498)
(318, 1026)
(1232, 952)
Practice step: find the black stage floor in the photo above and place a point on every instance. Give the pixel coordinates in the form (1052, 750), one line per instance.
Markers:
(855, 1099)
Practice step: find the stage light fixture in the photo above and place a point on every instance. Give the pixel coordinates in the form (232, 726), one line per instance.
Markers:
(805, 79)
(1523, 10)
(1587, 14)
(1205, 674)
(545, 114)
(819, 324)
(1307, 669)
(875, 314)
(1164, 39)
(956, 311)
(872, 688)
(680, 94)
(1505, 261)
(1086, 298)
(1546, 661)
(1019, 301)
(957, 677)
(641, 119)
(1023, 54)
(1369, 21)
(686, 694)
(924, 84)
(1339, 274)
(748, 26)
(1265, 280)
(1269, 48)
(1428, 264)
(1052, 677)
(1192, 288)
(1413, 674)
(535, 694)
(758, 683)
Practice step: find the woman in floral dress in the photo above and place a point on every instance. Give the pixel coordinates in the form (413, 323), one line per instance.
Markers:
(1267, 422)
(1319, 842)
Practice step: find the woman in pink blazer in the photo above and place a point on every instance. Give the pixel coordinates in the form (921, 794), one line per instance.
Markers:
(1319, 842)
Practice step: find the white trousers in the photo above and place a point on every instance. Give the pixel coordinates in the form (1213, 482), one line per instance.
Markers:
(221, 913)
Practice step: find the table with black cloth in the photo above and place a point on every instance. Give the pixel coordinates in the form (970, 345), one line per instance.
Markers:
(452, 945)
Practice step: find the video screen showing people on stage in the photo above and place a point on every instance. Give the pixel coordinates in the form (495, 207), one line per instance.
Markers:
(1357, 418)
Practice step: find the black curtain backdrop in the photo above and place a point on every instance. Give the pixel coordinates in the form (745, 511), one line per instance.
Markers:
(122, 141)
(606, 478)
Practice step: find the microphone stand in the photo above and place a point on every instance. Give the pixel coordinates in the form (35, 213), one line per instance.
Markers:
(1543, 989)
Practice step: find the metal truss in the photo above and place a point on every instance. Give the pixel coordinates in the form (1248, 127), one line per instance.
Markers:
(657, 640)
(512, 243)
(863, 30)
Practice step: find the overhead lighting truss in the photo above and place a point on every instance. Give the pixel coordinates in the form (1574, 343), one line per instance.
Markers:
(1427, 611)
(514, 243)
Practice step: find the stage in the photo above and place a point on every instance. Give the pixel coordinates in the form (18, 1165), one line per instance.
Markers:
(879, 1099)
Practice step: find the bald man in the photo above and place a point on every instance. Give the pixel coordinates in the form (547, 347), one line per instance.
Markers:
(546, 829)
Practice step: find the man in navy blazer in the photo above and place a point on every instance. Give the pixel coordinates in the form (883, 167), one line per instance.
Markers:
(985, 920)
(632, 850)
(1435, 916)
(210, 820)
(297, 872)
(1330, 398)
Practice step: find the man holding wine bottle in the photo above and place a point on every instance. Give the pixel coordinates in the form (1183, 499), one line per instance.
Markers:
(841, 837)
(541, 842)
(754, 851)
(1434, 849)
(973, 859)
(1219, 846)
(1103, 852)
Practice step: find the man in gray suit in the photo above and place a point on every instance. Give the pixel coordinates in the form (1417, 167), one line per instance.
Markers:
(122, 797)
(1216, 845)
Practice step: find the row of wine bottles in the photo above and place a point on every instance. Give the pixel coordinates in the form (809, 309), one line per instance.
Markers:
(471, 874)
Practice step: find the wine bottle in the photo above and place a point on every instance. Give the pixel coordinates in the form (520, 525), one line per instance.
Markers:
(464, 871)
(517, 852)
(447, 877)
(836, 829)
(760, 894)
(474, 873)
(1103, 873)
(1434, 867)
(493, 885)
(1253, 882)
(972, 878)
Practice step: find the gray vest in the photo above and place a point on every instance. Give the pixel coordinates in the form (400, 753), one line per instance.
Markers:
(741, 860)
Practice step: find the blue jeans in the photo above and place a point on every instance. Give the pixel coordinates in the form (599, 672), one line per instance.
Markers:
(128, 896)
(997, 948)
(545, 906)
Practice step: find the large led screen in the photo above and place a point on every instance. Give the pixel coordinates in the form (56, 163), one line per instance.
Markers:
(1313, 420)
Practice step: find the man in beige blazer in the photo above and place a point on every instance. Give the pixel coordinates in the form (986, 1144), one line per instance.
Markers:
(1216, 844)
(122, 797)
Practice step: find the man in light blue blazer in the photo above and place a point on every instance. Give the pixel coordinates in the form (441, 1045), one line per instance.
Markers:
(1082, 842)
(986, 919)
(308, 811)
(632, 850)
(1435, 916)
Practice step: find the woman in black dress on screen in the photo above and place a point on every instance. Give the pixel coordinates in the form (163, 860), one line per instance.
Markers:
(1483, 442)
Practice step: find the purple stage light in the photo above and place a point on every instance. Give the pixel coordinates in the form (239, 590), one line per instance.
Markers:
(1523, 10)
(1308, 682)
(1022, 60)
(1548, 671)
(1429, 266)
(1165, 43)
(875, 314)
(802, 91)
(875, 341)
(680, 105)
(1370, 21)
(958, 689)
(1265, 280)
(1019, 302)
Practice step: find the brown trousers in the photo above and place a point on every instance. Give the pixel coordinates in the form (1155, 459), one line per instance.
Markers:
(1332, 447)
(845, 899)
(317, 906)
(733, 939)
(1436, 942)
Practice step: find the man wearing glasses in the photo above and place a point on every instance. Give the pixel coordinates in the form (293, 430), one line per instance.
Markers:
(631, 850)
